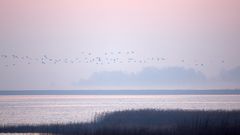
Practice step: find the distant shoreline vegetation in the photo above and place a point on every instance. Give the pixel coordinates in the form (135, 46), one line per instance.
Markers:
(120, 92)
(144, 122)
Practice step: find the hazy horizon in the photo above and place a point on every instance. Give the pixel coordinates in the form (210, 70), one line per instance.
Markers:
(119, 44)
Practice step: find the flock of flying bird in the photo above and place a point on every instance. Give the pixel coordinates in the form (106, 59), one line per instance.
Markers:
(87, 58)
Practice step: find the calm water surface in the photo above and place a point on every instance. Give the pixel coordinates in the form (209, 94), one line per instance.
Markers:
(64, 109)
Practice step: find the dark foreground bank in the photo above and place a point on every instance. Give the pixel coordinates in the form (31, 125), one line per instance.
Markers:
(144, 122)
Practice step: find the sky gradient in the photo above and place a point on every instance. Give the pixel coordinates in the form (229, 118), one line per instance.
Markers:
(203, 31)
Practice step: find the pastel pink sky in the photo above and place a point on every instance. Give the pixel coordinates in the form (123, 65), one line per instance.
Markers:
(124, 13)
(206, 30)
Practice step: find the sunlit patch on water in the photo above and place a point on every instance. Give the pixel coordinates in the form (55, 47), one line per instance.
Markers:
(23, 134)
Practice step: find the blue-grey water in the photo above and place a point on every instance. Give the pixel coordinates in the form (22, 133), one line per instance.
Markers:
(45, 109)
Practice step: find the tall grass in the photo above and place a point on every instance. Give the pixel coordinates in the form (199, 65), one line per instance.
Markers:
(144, 122)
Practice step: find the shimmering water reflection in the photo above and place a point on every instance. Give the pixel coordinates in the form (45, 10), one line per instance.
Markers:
(64, 109)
